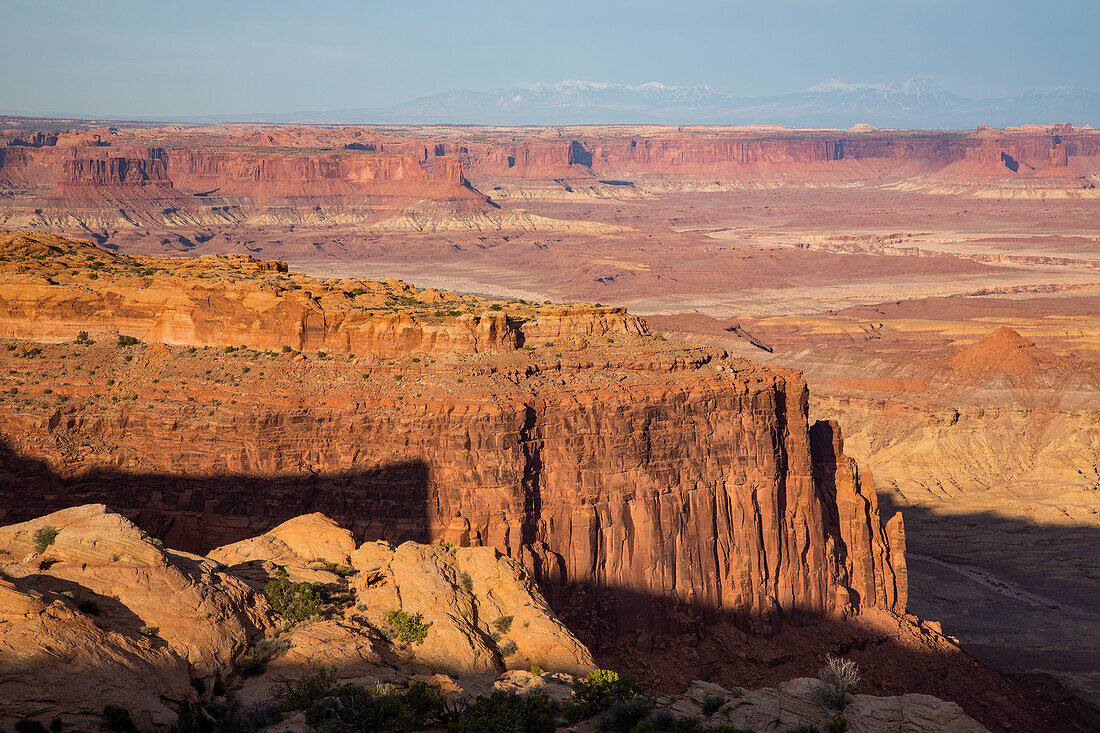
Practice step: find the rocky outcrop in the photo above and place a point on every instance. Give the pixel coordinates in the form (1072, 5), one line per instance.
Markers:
(795, 703)
(219, 301)
(69, 613)
(137, 585)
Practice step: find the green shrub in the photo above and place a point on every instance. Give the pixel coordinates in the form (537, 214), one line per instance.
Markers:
(127, 340)
(507, 712)
(294, 601)
(839, 724)
(43, 537)
(598, 692)
(409, 629)
(503, 624)
(148, 630)
(467, 581)
(508, 649)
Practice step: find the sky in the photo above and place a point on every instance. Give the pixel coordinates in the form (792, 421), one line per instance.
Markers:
(160, 59)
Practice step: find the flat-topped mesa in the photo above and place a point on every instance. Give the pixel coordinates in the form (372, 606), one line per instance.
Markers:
(645, 484)
(236, 300)
(133, 168)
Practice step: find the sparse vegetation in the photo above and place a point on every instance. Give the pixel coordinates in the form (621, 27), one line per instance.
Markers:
(29, 725)
(293, 601)
(409, 629)
(116, 718)
(503, 624)
(228, 717)
(508, 648)
(622, 716)
(263, 651)
(711, 704)
(148, 630)
(127, 340)
(835, 681)
(43, 537)
(506, 712)
(466, 581)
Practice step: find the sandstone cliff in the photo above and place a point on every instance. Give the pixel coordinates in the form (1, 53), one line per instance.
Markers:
(343, 176)
(643, 484)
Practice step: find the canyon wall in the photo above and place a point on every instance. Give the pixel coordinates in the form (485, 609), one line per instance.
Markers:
(370, 172)
(646, 485)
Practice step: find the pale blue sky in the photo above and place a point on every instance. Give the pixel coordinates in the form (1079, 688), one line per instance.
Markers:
(154, 58)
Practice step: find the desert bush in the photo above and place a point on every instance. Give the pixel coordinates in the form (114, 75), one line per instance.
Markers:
(127, 340)
(294, 601)
(229, 717)
(599, 691)
(835, 681)
(352, 708)
(622, 716)
(712, 703)
(467, 581)
(116, 718)
(839, 724)
(263, 651)
(503, 624)
(148, 630)
(408, 628)
(507, 712)
(83, 339)
(29, 725)
(508, 648)
(308, 689)
(43, 537)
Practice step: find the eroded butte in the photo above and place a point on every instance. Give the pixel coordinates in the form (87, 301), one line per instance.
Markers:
(938, 290)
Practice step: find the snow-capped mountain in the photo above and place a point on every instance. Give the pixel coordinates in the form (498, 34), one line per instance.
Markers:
(831, 103)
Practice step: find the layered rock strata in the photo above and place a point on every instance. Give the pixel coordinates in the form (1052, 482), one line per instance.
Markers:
(646, 485)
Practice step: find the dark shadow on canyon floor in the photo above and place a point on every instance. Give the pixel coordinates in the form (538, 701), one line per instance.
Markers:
(1021, 596)
(197, 513)
(695, 641)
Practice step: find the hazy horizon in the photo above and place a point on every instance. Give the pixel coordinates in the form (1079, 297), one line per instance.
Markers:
(127, 60)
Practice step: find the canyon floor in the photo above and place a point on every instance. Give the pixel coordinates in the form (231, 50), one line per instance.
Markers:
(949, 323)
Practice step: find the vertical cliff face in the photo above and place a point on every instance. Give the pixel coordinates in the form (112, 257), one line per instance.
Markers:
(646, 485)
(669, 488)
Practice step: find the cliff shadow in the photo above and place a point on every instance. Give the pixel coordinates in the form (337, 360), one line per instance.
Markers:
(1021, 596)
(197, 513)
(696, 641)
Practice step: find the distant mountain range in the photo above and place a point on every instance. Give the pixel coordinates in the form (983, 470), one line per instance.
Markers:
(832, 103)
